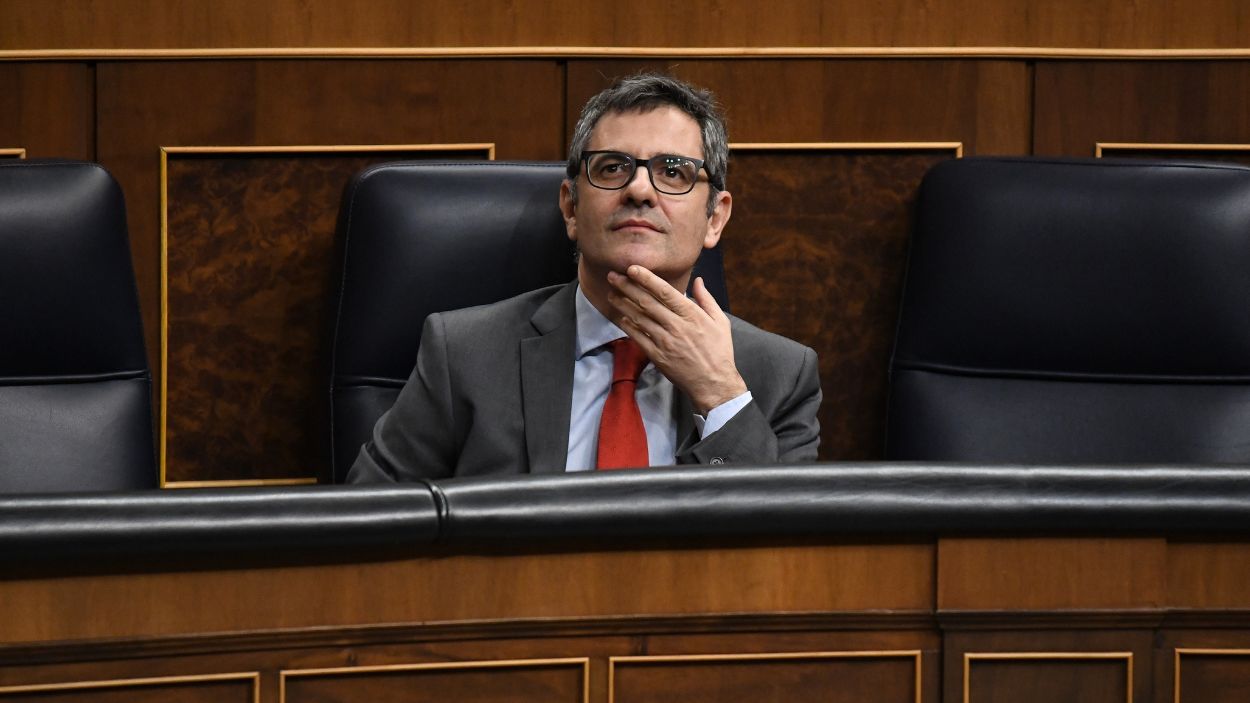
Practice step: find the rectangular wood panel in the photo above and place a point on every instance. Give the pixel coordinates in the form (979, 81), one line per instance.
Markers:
(834, 677)
(144, 106)
(472, 682)
(1043, 677)
(1081, 103)
(219, 688)
(48, 109)
(252, 275)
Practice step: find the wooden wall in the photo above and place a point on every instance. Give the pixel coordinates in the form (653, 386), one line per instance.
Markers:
(836, 110)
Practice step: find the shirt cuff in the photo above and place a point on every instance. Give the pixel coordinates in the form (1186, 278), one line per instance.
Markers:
(720, 415)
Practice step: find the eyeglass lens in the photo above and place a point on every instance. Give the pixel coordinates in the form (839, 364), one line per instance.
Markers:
(675, 175)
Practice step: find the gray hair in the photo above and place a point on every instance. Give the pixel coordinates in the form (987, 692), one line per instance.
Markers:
(645, 92)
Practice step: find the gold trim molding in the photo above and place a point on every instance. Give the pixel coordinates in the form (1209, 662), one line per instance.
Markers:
(625, 52)
(913, 654)
(957, 147)
(488, 148)
(584, 662)
(251, 676)
(969, 657)
(19, 152)
(1196, 652)
(1100, 147)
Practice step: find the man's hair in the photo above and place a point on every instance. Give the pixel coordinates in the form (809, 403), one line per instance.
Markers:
(645, 92)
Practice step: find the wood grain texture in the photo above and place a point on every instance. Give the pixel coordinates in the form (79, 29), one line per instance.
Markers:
(1051, 573)
(144, 106)
(1044, 680)
(767, 678)
(510, 681)
(1081, 103)
(253, 271)
(328, 23)
(796, 578)
(816, 253)
(47, 108)
(1212, 676)
(1208, 575)
(141, 691)
(983, 104)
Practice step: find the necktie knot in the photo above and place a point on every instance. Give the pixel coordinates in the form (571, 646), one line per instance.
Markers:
(628, 360)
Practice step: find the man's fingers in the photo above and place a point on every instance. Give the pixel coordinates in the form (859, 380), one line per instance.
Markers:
(656, 286)
(706, 300)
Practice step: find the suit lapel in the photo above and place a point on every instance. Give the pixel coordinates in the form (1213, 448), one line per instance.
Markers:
(547, 382)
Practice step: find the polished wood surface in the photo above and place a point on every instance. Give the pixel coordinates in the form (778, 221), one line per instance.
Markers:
(701, 620)
(252, 270)
(1079, 104)
(105, 24)
(47, 109)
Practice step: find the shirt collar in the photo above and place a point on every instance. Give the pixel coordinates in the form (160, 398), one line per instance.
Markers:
(593, 329)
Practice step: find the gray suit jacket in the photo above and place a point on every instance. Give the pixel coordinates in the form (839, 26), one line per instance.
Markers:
(492, 390)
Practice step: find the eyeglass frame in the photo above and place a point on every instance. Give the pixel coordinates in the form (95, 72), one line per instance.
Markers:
(699, 165)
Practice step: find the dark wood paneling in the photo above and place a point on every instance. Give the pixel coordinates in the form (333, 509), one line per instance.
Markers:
(984, 104)
(506, 681)
(765, 678)
(185, 691)
(47, 109)
(1080, 103)
(1051, 573)
(42, 24)
(815, 251)
(144, 106)
(1021, 680)
(253, 280)
(1213, 677)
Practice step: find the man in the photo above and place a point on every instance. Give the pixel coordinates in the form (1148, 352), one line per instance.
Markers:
(539, 384)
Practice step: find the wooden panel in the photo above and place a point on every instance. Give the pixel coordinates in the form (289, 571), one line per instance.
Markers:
(816, 252)
(253, 271)
(1230, 153)
(1208, 575)
(144, 106)
(982, 104)
(825, 676)
(1211, 675)
(223, 688)
(1050, 574)
(13, 153)
(1025, 677)
(42, 24)
(47, 109)
(559, 680)
(1082, 103)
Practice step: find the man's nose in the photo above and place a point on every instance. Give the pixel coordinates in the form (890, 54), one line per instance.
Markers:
(639, 188)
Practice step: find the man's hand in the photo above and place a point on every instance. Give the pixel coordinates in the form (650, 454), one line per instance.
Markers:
(688, 341)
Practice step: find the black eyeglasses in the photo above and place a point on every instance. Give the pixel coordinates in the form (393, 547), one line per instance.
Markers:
(669, 173)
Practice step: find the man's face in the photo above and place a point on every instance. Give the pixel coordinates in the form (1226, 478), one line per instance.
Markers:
(638, 224)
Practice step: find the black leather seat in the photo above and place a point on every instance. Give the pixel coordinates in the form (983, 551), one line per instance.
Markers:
(425, 237)
(1076, 311)
(75, 391)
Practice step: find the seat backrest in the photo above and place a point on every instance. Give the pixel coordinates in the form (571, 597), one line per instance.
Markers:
(424, 237)
(75, 391)
(1077, 311)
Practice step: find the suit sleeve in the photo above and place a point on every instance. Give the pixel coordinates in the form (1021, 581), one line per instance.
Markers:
(416, 438)
(788, 432)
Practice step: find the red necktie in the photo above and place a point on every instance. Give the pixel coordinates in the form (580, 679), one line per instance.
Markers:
(622, 438)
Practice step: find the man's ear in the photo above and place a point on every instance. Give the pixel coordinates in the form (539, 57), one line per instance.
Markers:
(718, 219)
(568, 209)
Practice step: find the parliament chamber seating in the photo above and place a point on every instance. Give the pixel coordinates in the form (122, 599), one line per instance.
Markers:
(75, 391)
(1076, 311)
(426, 237)
(956, 580)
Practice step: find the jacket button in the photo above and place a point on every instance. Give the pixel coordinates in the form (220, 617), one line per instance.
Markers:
(716, 460)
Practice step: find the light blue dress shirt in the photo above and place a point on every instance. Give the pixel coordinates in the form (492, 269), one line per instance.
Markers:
(592, 379)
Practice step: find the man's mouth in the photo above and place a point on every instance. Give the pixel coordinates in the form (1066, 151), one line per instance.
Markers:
(636, 222)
